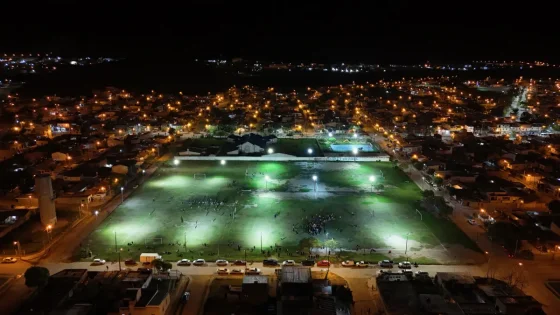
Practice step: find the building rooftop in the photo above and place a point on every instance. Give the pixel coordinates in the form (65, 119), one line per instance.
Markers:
(296, 274)
(255, 279)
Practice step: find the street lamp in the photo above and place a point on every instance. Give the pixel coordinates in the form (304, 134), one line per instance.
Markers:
(355, 151)
(223, 162)
(270, 151)
(176, 161)
(330, 134)
(122, 194)
(372, 180)
(143, 172)
(406, 245)
(18, 248)
(266, 179)
(310, 151)
(96, 213)
(315, 182)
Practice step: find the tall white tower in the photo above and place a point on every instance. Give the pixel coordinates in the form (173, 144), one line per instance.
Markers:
(44, 191)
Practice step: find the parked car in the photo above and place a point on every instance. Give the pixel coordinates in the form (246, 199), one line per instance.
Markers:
(236, 272)
(222, 262)
(186, 296)
(323, 263)
(405, 265)
(98, 261)
(270, 262)
(288, 262)
(471, 221)
(239, 263)
(362, 264)
(308, 263)
(184, 262)
(386, 264)
(348, 263)
(407, 272)
(9, 260)
(421, 273)
(222, 271)
(199, 262)
(130, 262)
(252, 271)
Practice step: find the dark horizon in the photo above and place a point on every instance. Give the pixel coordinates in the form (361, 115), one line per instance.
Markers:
(383, 32)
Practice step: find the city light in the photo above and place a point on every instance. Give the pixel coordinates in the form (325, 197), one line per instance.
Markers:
(270, 151)
(176, 161)
(310, 151)
(223, 162)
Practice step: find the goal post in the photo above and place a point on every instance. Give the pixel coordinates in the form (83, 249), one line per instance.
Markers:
(199, 176)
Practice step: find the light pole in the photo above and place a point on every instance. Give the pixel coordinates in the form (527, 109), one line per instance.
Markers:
(49, 229)
(406, 245)
(488, 262)
(372, 180)
(266, 179)
(122, 194)
(261, 242)
(17, 245)
(117, 251)
(315, 182)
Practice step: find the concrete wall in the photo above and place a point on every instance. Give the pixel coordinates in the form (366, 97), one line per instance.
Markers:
(287, 158)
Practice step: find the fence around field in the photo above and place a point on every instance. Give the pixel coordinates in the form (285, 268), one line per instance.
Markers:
(287, 158)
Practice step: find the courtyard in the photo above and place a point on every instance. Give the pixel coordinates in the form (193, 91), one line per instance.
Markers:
(254, 210)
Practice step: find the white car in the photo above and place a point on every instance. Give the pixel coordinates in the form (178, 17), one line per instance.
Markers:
(9, 260)
(199, 262)
(222, 271)
(348, 263)
(98, 261)
(222, 262)
(288, 263)
(471, 222)
(362, 264)
(184, 262)
(385, 264)
(405, 265)
(236, 272)
(252, 271)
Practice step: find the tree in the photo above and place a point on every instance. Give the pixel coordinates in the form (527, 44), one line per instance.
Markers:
(171, 131)
(428, 194)
(36, 277)
(331, 244)
(379, 187)
(554, 206)
(438, 180)
(309, 243)
(160, 264)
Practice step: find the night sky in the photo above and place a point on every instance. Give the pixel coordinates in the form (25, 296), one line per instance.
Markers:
(324, 31)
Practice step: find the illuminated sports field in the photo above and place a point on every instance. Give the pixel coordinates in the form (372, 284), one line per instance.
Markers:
(164, 211)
